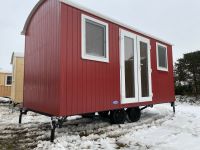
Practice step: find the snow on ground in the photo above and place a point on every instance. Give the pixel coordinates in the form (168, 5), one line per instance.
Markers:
(4, 100)
(158, 129)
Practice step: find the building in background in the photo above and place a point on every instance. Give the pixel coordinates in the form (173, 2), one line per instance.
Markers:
(5, 83)
(17, 61)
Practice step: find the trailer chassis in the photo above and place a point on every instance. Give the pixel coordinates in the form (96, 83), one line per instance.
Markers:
(57, 122)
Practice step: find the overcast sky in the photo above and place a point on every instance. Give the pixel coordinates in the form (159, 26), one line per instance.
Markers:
(176, 21)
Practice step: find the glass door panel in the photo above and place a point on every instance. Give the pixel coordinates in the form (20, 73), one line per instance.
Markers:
(129, 67)
(144, 69)
(144, 73)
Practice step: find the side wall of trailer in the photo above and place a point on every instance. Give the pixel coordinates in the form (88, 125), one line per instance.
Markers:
(42, 60)
(90, 86)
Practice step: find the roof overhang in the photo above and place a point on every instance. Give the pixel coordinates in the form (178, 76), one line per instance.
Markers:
(93, 13)
(17, 55)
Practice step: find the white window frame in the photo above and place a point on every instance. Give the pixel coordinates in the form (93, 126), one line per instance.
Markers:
(7, 79)
(159, 67)
(88, 56)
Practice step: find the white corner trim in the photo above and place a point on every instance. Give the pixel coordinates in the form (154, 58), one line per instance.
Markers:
(158, 67)
(83, 41)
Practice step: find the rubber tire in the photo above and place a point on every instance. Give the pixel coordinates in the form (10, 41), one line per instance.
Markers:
(104, 114)
(118, 116)
(89, 115)
(134, 114)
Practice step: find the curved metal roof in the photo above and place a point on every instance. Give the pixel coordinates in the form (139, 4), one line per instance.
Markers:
(92, 12)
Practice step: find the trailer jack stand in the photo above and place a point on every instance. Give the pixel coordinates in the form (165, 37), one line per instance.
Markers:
(173, 105)
(53, 128)
(22, 112)
(56, 123)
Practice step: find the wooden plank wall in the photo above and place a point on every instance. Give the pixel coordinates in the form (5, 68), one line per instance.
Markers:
(18, 80)
(5, 91)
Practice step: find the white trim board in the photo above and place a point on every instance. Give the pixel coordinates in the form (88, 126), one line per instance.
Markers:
(93, 13)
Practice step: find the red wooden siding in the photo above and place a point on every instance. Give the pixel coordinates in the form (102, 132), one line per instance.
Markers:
(42, 60)
(59, 82)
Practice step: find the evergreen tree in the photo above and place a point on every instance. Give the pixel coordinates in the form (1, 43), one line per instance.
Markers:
(187, 74)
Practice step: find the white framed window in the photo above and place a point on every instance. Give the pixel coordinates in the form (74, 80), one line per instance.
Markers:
(95, 39)
(8, 81)
(162, 57)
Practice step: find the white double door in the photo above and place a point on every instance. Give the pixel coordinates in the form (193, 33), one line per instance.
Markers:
(135, 63)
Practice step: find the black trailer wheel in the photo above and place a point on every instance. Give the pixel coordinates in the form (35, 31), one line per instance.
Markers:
(104, 114)
(89, 115)
(133, 114)
(118, 116)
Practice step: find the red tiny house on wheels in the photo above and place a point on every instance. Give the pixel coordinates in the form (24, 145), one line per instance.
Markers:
(78, 61)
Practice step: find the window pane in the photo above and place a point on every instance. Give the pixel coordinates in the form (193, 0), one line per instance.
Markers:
(144, 69)
(9, 80)
(129, 67)
(95, 39)
(162, 56)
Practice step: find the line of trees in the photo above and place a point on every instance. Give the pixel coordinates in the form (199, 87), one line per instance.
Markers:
(187, 74)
